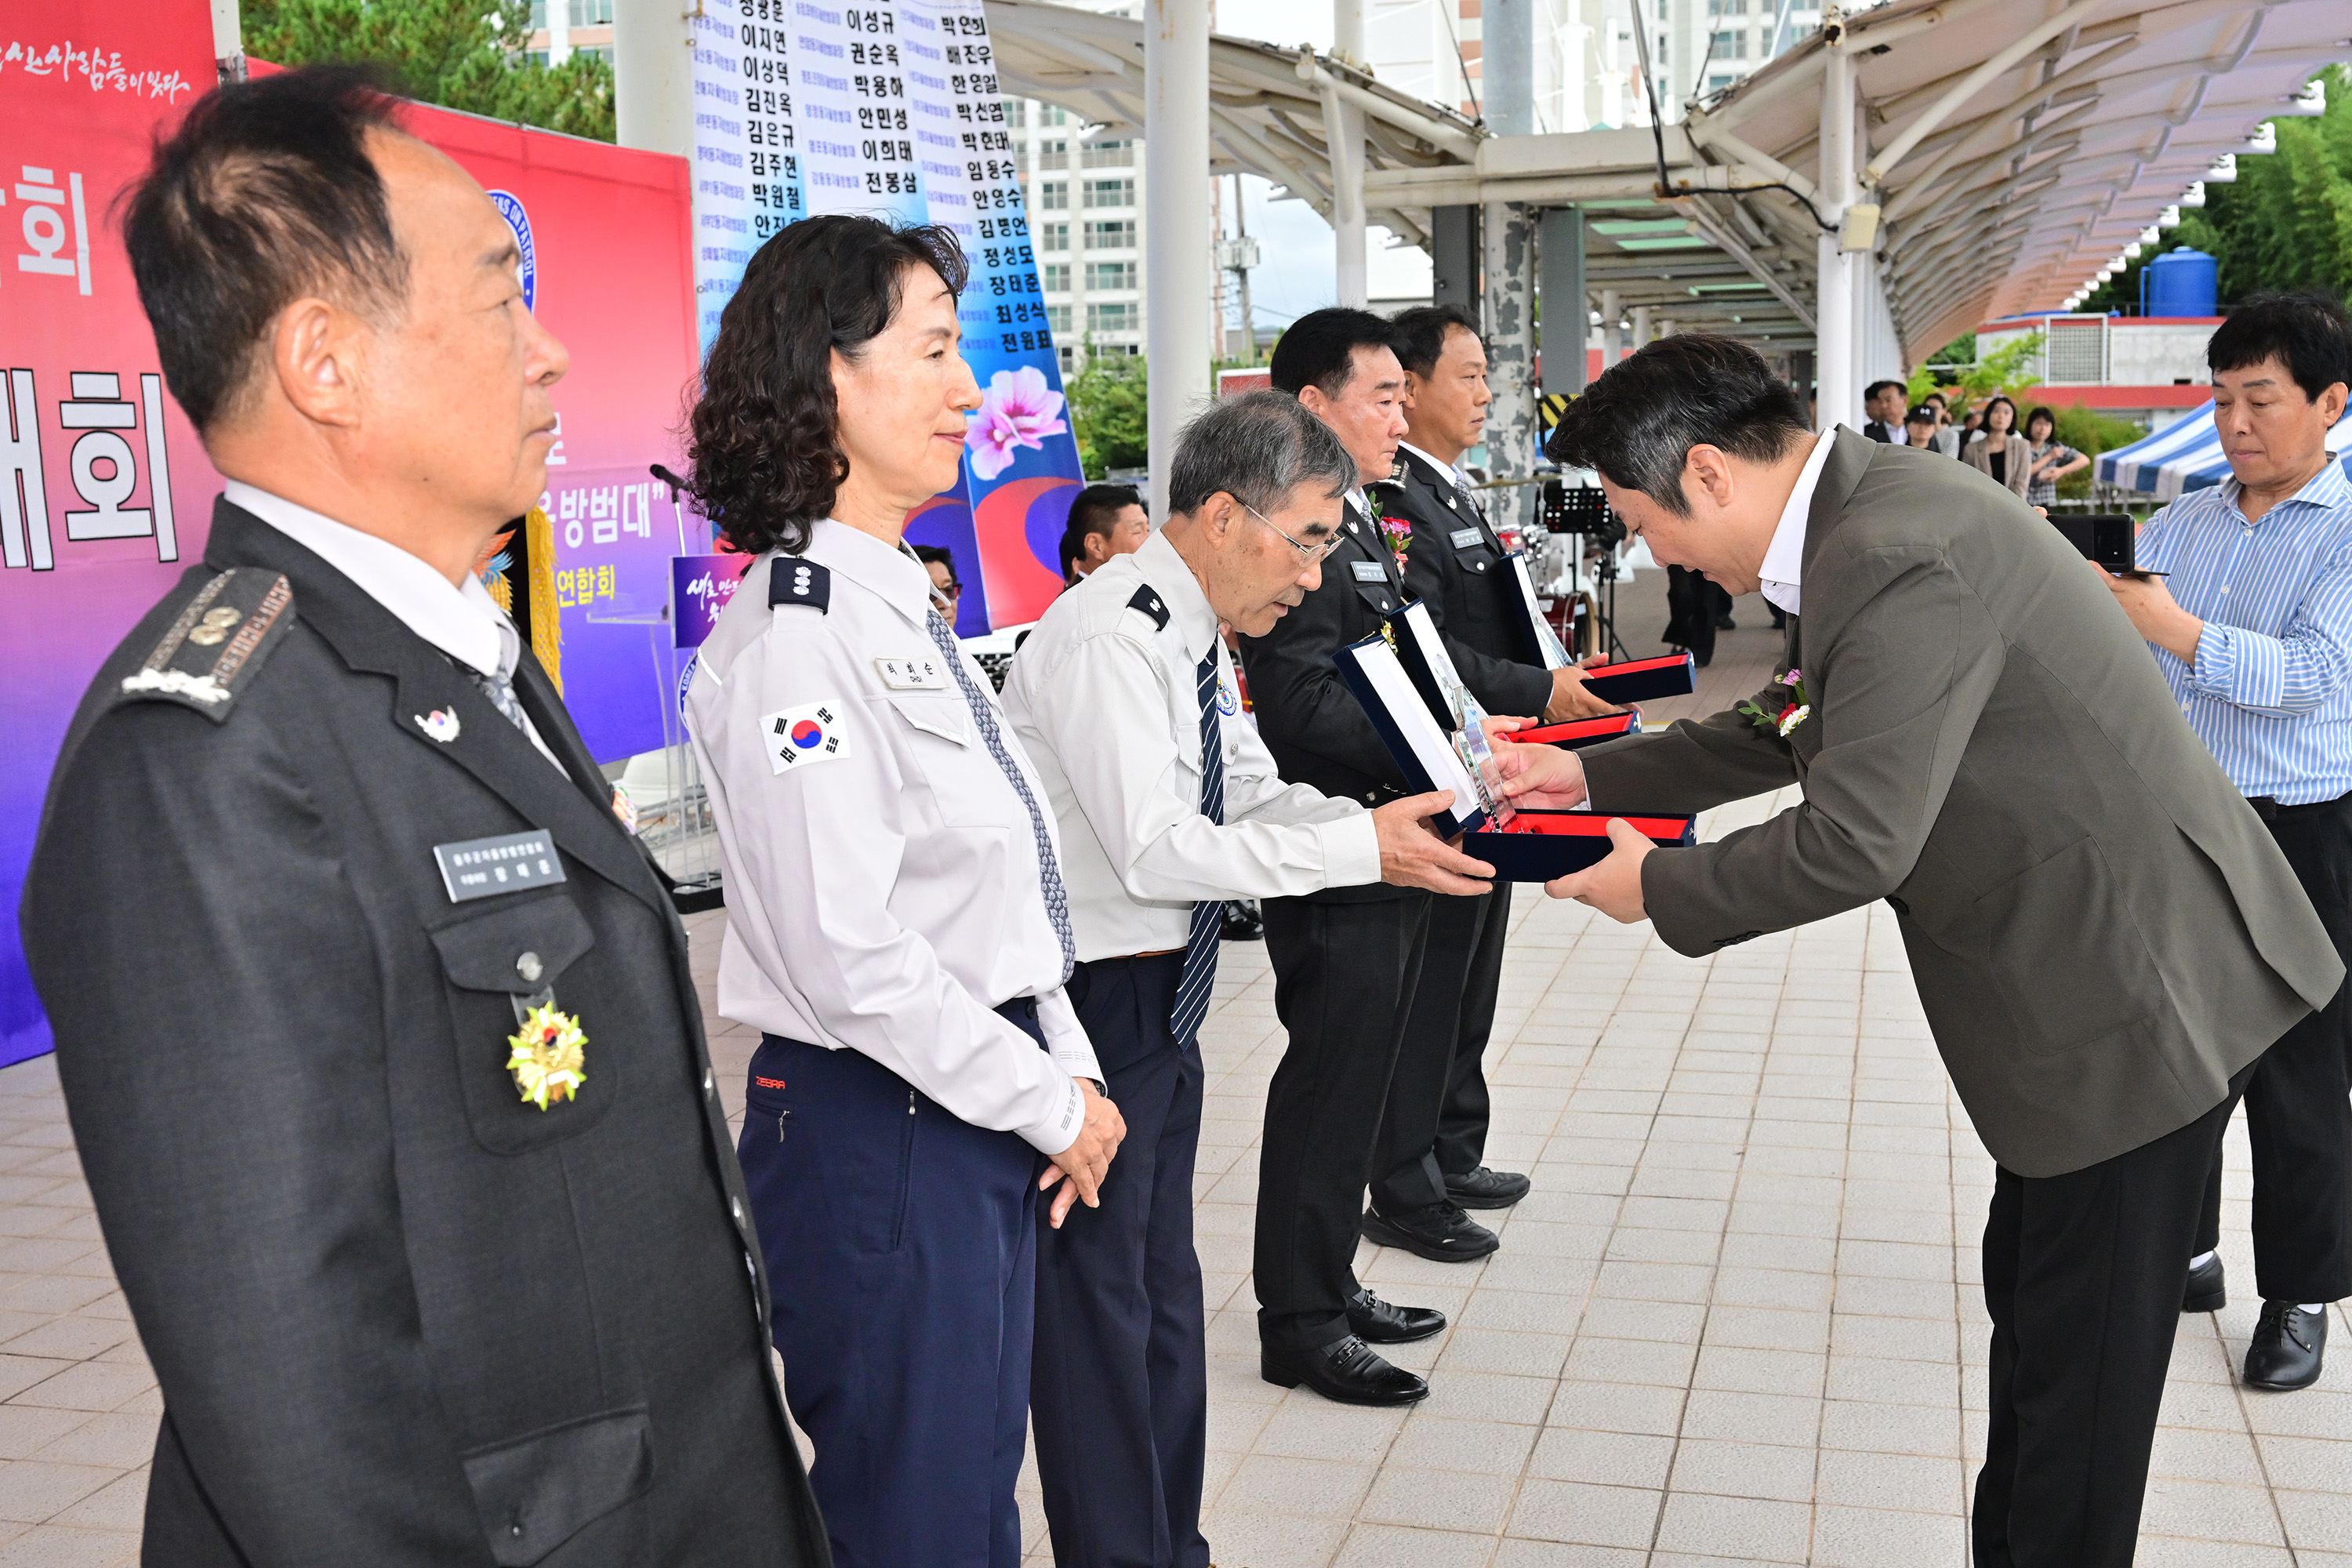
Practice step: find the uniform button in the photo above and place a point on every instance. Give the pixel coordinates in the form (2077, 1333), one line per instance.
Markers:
(708, 1085)
(530, 967)
(735, 1207)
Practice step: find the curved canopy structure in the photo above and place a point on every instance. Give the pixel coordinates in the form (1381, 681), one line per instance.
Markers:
(2013, 148)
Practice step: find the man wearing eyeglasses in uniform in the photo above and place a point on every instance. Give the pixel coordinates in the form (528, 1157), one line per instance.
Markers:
(946, 586)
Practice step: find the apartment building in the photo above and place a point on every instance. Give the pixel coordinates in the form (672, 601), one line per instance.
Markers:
(561, 28)
(1086, 216)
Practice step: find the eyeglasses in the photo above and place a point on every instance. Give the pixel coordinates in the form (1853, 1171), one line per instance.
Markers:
(1313, 553)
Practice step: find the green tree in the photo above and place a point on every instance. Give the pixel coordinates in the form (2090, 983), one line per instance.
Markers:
(460, 54)
(1109, 412)
(2007, 370)
(2285, 223)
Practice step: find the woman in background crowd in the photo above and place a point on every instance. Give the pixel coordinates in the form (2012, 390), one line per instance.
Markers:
(2048, 460)
(1997, 449)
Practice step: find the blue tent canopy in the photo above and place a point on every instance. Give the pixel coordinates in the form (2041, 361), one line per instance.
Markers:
(2185, 456)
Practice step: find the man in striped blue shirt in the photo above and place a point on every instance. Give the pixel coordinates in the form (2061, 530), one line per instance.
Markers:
(2253, 631)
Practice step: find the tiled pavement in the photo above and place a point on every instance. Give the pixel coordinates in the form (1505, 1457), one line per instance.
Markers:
(1737, 1321)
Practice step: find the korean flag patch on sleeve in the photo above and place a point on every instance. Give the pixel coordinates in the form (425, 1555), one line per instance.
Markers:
(803, 737)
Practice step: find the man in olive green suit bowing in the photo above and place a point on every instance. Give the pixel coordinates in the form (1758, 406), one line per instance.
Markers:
(2103, 937)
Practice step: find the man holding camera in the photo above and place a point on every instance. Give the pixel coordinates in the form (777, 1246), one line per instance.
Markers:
(2253, 629)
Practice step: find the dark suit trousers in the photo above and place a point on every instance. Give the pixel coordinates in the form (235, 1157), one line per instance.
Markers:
(1119, 1391)
(901, 1241)
(1344, 976)
(2083, 1277)
(2298, 1118)
(1452, 1016)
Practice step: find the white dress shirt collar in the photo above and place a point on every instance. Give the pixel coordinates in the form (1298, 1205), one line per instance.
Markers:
(463, 621)
(891, 571)
(1782, 575)
(1194, 619)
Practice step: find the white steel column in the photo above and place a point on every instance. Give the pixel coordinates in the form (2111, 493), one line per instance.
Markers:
(1508, 34)
(1641, 327)
(1838, 393)
(1344, 128)
(1613, 330)
(1176, 254)
(653, 75)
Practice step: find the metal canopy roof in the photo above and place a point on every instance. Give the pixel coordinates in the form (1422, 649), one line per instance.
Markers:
(2016, 147)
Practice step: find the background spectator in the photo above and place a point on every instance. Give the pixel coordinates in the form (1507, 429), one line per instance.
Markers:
(2048, 460)
(1919, 428)
(1998, 448)
(1948, 440)
(946, 586)
(1883, 401)
(1105, 521)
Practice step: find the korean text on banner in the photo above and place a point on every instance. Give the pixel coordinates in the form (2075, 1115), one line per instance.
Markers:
(104, 491)
(892, 111)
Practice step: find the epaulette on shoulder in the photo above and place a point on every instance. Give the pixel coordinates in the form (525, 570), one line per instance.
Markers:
(795, 580)
(216, 646)
(1148, 600)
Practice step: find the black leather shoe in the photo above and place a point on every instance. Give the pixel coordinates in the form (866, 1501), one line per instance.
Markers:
(1376, 1322)
(1440, 1232)
(2208, 1291)
(1241, 921)
(1346, 1372)
(1486, 1189)
(2288, 1344)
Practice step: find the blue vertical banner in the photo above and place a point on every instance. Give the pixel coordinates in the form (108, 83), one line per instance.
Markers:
(894, 112)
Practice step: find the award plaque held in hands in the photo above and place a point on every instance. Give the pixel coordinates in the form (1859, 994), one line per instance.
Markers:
(1522, 846)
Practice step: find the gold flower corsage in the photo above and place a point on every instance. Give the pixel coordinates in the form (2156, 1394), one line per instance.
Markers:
(550, 1057)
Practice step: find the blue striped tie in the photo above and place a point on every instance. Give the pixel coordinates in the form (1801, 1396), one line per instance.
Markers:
(1208, 914)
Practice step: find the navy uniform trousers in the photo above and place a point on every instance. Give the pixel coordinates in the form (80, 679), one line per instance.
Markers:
(1434, 1124)
(1120, 1390)
(900, 1243)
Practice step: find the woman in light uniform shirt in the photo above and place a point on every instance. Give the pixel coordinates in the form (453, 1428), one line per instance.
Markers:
(897, 925)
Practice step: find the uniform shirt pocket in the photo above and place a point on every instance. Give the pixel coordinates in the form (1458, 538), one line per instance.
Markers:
(492, 961)
(942, 748)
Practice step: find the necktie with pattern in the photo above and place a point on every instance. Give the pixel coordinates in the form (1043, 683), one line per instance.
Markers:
(1208, 914)
(1049, 871)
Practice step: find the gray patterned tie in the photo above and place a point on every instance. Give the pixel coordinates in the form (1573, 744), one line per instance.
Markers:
(1049, 871)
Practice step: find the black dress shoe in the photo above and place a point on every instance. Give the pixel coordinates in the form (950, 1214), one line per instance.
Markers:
(1241, 921)
(2208, 1291)
(1347, 1372)
(2288, 1344)
(1376, 1322)
(1486, 1189)
(1440, 1232)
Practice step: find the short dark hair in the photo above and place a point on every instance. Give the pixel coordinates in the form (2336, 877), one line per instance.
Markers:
(1096, 508)
(2040, 411)
(767, 458)
(927, 553)
(1638, 422)
(1870, 393)
(1922, 414)
(1256, 448)
(1939, 399)
(1421, 333)
(1318, 349)
(264, 192)
(2306, 331)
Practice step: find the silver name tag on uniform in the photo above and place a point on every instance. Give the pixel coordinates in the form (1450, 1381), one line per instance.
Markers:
(477, 867)
(1369, 572)
(1463, 538)
(923, 674)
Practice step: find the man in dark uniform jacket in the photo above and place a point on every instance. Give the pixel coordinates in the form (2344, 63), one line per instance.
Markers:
(376, 1029)
(1457, 567)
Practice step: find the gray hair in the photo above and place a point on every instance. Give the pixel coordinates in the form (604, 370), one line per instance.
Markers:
(1256, 448)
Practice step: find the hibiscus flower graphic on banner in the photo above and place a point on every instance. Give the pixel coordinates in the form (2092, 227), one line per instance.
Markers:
(1019, 409)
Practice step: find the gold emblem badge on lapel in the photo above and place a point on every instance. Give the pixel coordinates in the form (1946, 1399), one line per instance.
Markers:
(549, 1054)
